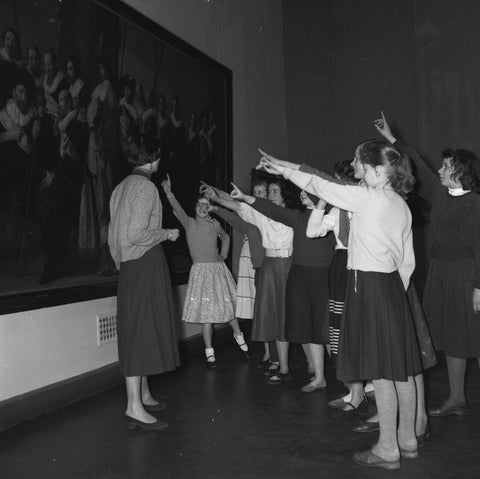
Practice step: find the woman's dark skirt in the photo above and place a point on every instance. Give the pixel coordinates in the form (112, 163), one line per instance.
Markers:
(337, 283)
(306, 307)
(146, 321)
(377, 338)
(447, 302)
(269, 315)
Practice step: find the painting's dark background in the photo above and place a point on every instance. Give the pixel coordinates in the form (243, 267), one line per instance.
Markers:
(88, 31)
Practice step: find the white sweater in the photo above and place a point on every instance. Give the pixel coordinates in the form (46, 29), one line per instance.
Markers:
(381, 225)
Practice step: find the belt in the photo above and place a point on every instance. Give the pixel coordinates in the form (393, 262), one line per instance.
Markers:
(278, 253)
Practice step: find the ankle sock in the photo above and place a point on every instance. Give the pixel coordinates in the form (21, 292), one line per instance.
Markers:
(210, 354)
(241, 341)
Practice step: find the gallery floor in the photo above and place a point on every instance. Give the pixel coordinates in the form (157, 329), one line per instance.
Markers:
(229, 423)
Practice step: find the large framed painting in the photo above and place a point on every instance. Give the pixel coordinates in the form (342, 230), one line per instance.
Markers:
(78, 78)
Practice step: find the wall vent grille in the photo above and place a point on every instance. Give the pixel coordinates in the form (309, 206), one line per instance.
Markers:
(106, 328)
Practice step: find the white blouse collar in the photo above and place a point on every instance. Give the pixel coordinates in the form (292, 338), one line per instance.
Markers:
(457, 191)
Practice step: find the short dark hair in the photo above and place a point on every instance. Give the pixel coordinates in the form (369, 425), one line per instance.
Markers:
(344, 170)
(466, 167)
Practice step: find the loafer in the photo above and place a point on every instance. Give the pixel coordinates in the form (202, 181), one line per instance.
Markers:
(460, 409)
(310, 388)
(370, 459)
(158, 425)
(366, 426)
(279, 378)
(155, 407)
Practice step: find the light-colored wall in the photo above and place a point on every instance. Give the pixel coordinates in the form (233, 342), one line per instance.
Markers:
(41, 347)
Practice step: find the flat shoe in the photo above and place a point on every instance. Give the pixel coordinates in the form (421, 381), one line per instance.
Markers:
(338, 403)
(460, 409)
(360, 410)
(405, 454)
(272, 370)
(132, 423)
(155, 407)
(279, 378)
(423, 437)
(366, 426)
(370, 459)
(211, 364)
(245, 353)
(310, 388)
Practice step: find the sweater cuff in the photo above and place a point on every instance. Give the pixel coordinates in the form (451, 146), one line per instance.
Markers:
(315, 222)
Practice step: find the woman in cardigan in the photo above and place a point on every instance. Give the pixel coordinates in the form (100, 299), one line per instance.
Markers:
(147, 342)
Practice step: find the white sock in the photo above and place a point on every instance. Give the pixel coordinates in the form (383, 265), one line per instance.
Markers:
(210, 354)
(241, 341)
(347, 398)
(368, 387)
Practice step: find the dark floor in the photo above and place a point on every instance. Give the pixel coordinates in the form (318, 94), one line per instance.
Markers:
(229, 423)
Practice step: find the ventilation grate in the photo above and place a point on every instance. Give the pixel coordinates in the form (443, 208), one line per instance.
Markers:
(106, 328)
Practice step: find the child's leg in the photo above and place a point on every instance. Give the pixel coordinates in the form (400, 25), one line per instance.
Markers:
(387, 405)
(238, 336)
(456, 378)
(147, 397)
(207, 330)
(266, 353)
(317, 354)
(407, 402)
(282, 348)
(356, 394)
(236, 327)
(306, 350)
(135, 407)
(421, 419)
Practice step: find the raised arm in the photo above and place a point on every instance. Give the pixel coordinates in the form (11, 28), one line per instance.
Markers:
(427, 177)
(288, 164)
(176, 207)
(278, 213)
(231, 218)
(345, 197)
(219, 197)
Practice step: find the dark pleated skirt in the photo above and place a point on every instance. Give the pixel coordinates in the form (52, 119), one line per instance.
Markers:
(377, 337)
(269, 315)
(337, 283)
(146, 320)
(447, 302)
(306, 307)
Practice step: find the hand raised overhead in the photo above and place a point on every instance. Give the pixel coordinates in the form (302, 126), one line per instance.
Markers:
(167, 185)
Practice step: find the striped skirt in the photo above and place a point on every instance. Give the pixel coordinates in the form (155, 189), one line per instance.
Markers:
(337, 287)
